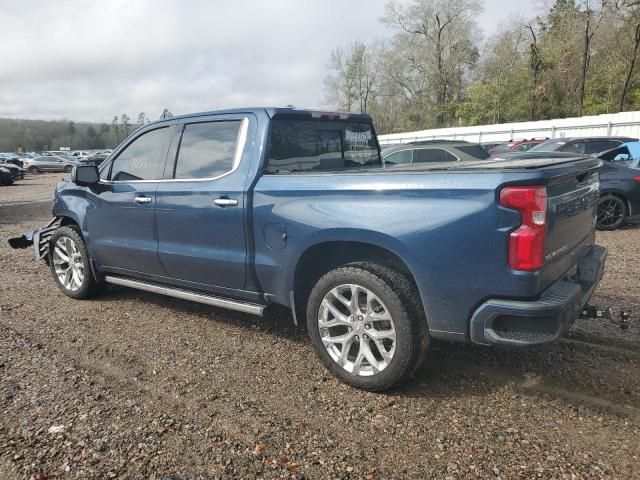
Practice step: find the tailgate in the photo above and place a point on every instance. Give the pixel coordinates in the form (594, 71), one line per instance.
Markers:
(571, 213)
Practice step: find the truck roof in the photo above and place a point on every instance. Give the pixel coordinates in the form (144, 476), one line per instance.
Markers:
(281, 111)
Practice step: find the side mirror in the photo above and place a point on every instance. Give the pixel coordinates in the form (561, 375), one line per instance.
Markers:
(85, 175)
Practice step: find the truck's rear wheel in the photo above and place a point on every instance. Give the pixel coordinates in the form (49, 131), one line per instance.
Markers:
(69, 263)
(363, 326)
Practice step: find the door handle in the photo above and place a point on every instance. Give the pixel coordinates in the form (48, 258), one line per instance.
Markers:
(142, 199)
(225, 202)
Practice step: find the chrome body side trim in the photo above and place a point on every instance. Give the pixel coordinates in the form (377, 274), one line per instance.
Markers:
(237, 156)
(245, 307)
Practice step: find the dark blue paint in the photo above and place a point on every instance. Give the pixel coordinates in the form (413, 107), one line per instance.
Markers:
(445, 226)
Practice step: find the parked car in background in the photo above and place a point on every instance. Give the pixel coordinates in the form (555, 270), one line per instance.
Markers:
(16, 172)
(49, 164)
(80, 154)
(95, 159)
(53, 153)
(6, 176)
(619, 186)
(516, 146)
(582, 145)
(13, 158)
(431, 151)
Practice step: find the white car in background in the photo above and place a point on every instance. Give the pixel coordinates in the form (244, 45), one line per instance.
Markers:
(80, 154)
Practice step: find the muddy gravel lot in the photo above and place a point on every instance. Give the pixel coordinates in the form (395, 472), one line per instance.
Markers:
(135, 385)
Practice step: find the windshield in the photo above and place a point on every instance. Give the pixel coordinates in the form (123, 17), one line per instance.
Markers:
(548, 146)
(505, 147)
(321, 146)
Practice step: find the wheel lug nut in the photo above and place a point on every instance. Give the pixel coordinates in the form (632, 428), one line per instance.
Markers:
(351, 318)
(356, 338)
(350, 329)
(366, 337)
(367, 326)
(360, 318)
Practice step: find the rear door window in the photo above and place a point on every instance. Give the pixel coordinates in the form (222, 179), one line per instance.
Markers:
(309, 146)
(207, 149)
(598, 146)
(475, 151)
(430, 155)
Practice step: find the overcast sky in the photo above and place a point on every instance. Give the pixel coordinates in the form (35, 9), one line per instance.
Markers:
(91, 60)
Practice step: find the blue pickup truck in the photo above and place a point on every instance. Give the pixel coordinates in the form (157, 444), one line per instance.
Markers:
(249, 208)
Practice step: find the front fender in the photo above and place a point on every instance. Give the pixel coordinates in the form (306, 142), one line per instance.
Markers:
(74, 203)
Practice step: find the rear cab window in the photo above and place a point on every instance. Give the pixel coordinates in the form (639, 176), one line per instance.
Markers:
(321, 146)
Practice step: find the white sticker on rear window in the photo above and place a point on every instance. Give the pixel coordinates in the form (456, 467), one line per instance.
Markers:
(357, 144)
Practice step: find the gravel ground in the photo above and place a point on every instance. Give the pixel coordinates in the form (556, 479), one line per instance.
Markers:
(134, 385)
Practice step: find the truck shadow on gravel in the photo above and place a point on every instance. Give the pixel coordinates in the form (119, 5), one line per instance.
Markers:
(600, 377)
(578, 373)
(277, 320)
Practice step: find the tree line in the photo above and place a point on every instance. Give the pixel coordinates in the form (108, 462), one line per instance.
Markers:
(579, 57)
(40, 135)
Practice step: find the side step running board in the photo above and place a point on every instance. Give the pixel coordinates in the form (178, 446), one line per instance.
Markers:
(252, 308)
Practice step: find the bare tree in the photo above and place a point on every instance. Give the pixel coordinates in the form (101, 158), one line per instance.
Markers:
(629, 13)
(355, 72)
(590, 29)
(340, 87)
(124, 122)
(535, 64)
(116, 128)
(439, 44)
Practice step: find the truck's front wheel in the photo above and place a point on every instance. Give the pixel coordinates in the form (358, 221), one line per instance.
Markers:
(364, 325)
(69, 263)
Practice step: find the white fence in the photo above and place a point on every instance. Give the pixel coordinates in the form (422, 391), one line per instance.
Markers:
(619, 124)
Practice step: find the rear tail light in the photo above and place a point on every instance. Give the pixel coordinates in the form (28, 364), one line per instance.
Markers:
(526, 243)
(637, 178)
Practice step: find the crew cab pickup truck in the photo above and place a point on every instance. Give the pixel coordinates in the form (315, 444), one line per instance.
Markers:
(248, 208)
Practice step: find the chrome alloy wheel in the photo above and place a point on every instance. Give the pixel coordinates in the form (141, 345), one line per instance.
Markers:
(357, 330)
(67, 261)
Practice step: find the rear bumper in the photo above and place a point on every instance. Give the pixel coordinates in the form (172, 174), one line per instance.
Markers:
(522, 323)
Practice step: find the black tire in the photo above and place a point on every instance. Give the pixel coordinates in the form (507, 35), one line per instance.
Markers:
(34, 170)
(68, 168)
(399, 296)
(89, 286)
(612, 212)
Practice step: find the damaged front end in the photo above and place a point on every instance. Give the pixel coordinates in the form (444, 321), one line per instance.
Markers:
(40, 238)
